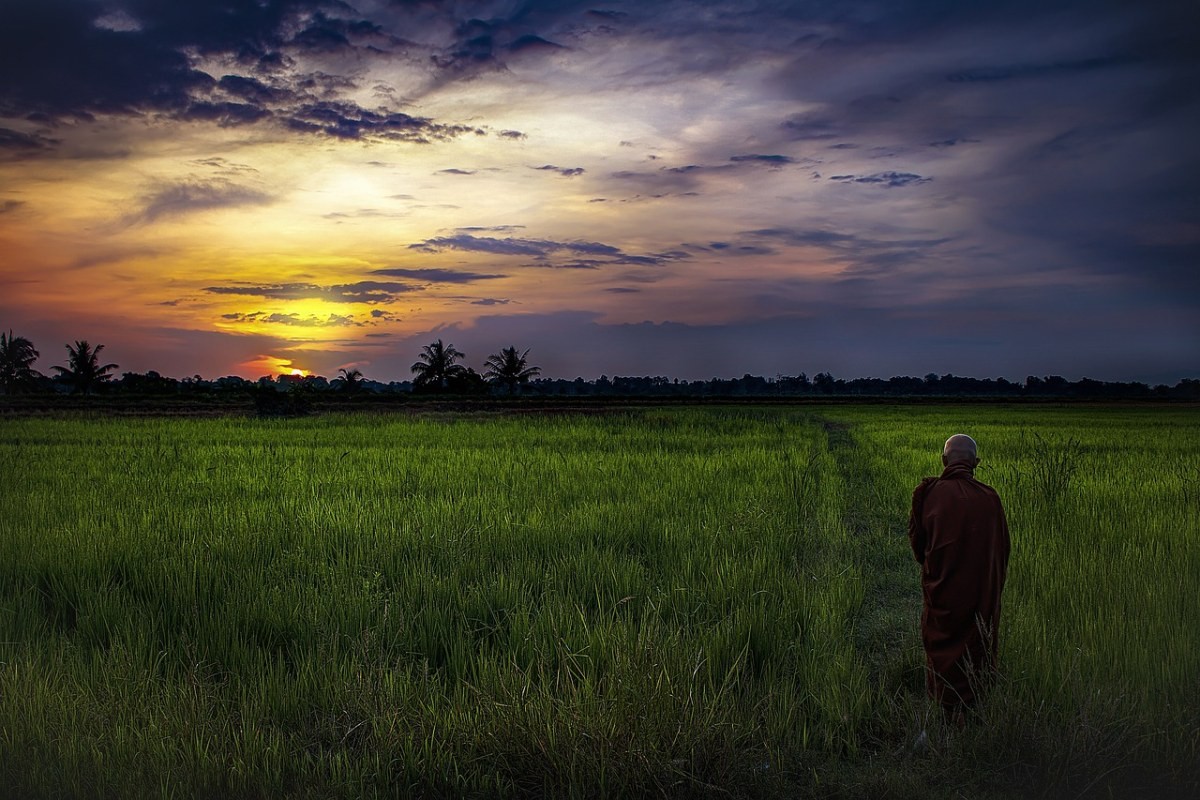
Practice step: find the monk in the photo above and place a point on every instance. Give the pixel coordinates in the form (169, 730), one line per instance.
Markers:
(959, 536)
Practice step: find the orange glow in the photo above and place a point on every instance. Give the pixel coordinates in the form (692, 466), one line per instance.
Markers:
(272, 366)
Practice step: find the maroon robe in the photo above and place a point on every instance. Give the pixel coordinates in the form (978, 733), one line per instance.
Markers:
(960, 537)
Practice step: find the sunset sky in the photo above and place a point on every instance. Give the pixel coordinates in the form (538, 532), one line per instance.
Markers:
(691, 189)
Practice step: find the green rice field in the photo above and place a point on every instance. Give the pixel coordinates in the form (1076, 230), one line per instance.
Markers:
(669, 602)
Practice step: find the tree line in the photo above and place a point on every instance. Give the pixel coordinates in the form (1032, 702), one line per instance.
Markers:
(439, 370)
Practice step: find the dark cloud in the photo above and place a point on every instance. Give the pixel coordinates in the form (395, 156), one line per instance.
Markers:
(490, 301)
(190, 197)
(222, 165)
(866, 254)
(566, 172)
(142, 61)
(225, 114)
(296, 320)
(773, 160)
(456, 171)
(733, 249)
(24, 143)
(1014, 71)
(809, 126)
(361, 292)
(437, 275)
(347, 120)
(255, 91)
(511, 134)
(889, 179)
(325, 33)
(512, 246)
(546, 251)
(532, 42)
(663, 182)
(8, 206)
(574, 263)
(362, 213)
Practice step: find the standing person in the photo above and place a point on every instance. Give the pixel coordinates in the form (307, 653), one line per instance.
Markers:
(959, 536)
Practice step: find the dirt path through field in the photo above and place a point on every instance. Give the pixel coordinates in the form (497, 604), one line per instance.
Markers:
(886, 626)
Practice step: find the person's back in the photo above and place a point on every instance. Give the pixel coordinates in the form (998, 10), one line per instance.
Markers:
(959, 535)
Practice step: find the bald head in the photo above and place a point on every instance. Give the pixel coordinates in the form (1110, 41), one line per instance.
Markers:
(960, 448)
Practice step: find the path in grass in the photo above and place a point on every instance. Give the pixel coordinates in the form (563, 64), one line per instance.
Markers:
(885, 626)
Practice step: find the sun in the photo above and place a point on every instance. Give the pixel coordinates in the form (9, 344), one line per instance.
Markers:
(299, 373)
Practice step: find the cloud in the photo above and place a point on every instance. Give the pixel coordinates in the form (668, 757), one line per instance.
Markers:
(255, 91)
(803, 127)
(222, 165)
(24, 142)
(1014, 71)
(456, 171)
(733, 249)
(512, 246)
(151, 61)
(511, 134)
(9, 206)
(225, 114)
(490, 301)
(773, 160)
(370, 292)
(889, 179)
(433, 275)
(362, 213)
(866, 254)
(595, 254)
(566, 172)
(347, 120)
(190, 197)
(295, 320)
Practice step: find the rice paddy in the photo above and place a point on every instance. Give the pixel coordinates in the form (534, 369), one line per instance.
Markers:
(671, 602)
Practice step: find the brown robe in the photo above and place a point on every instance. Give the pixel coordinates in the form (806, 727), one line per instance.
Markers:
(959, 535)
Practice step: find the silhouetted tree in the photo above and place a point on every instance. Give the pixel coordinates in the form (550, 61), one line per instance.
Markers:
(83, 370)
(352, 380)
(466, 382)
(436, 365)
(16, 362)
(510, 369)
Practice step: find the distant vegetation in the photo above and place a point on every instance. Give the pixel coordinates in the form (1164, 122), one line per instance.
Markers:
(439, 371)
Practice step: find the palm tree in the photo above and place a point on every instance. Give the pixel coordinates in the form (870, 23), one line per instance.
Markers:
(436, 365)
(352, 380)
(83, 368)
(16, 361)
(510, 368)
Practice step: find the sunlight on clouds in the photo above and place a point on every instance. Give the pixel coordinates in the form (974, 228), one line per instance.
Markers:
(271, 365)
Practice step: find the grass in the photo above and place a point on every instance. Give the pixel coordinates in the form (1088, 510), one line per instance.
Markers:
(677, 602)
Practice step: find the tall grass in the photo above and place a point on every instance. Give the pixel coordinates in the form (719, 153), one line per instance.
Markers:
(353, 604)
(1100, 646)
(668, 603)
